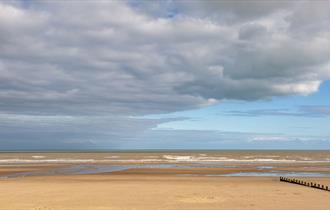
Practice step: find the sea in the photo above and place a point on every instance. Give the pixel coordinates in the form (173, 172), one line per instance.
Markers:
(297, 163)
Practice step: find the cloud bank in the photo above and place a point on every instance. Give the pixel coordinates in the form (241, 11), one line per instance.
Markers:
(124, 58)
(117, 57)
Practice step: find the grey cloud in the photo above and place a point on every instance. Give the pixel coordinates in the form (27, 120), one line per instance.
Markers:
(211, 139)
(251, 31)
(234, 11)
(302, 111)
(262, 112)
(112, 57)
(71, 132)
(105, 124)
(89, 60)
(320, 110)
(158, 139)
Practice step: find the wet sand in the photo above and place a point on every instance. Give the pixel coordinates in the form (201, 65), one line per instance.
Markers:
(129, 191)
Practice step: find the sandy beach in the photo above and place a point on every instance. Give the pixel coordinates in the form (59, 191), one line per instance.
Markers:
(140, 181)
(131, 191)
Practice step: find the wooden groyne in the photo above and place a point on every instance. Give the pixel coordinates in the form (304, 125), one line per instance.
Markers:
(303, 183)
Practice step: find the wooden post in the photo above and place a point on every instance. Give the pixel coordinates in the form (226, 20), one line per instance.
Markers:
(307, 184)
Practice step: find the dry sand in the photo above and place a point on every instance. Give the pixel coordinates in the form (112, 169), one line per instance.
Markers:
(157, 191)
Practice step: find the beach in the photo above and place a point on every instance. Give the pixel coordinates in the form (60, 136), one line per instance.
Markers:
(158, 192)
(80, 183)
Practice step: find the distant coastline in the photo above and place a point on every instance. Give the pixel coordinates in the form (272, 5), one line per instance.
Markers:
(156, 150)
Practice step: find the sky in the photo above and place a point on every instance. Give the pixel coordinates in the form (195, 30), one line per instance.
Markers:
(119, 75)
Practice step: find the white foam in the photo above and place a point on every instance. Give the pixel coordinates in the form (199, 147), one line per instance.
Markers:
(113, 156)
(38, 156)
(60, 160)
(166, 158)
(137, 160)
(68, 160)
(179, 158)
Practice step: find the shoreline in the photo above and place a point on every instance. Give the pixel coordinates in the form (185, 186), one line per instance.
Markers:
(183, 169)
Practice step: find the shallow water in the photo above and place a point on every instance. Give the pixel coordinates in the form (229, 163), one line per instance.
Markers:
(89, 169)
(264, 162)
(278, 173)
(96, 169)
(205, 157)
(264, 174)
(265, 167)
